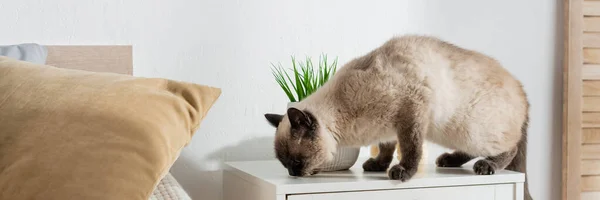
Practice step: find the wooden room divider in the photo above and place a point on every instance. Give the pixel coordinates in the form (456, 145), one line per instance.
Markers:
(581, 102)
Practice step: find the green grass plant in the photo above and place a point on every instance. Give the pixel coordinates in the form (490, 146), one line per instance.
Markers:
(303, 78)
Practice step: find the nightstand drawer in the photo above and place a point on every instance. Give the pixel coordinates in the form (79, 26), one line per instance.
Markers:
(488, 192)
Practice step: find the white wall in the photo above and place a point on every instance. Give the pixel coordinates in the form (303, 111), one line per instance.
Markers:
(230, 43)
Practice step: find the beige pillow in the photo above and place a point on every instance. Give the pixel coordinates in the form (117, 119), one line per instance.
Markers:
(69, 134)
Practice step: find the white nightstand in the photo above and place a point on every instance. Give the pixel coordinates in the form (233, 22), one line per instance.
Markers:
(268, 180)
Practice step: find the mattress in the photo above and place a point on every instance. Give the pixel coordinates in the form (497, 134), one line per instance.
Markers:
(169, 189)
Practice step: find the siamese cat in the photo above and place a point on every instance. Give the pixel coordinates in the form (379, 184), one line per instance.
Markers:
(410, 89)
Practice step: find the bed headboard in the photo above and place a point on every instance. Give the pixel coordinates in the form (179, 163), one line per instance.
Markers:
(115, 59)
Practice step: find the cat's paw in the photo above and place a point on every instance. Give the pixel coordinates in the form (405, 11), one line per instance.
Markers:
(448, 160)
(484, 167)
(398, 172)
(374, 165)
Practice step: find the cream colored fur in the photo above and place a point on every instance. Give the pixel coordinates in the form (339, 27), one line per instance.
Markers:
(472, 103)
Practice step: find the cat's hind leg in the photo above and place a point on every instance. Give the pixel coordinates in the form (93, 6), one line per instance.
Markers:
(489, 165)
(455, 159)
(383, 159)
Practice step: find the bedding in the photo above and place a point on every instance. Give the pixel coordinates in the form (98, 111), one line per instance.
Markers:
(29, 52)
(132, 130)
(169, 189)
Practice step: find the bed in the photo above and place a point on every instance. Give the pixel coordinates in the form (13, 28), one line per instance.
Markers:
(113, 59)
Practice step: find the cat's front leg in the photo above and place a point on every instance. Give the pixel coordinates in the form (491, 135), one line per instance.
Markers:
(410, 136)
(383, 159)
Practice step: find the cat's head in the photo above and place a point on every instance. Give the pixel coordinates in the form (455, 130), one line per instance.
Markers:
(301, 144)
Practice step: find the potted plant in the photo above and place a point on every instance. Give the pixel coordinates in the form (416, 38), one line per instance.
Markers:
(304, 80)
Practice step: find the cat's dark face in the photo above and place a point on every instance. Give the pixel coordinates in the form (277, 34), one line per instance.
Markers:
(299, 146)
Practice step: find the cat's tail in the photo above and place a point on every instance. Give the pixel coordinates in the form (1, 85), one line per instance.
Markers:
(519, 163)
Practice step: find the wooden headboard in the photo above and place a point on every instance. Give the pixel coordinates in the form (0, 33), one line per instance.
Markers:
(115, 59)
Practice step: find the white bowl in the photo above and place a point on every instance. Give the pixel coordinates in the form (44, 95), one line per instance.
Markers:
(343, 159)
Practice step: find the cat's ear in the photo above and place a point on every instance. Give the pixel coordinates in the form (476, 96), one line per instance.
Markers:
(298, 119)
(274, 119)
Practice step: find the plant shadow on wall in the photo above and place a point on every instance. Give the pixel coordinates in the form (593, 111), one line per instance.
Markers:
(258, 148)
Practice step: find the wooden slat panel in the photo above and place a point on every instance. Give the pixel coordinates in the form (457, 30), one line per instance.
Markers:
(590, 183)
(590, 120)
(591, 40)
(591, 56)
(590, 151)
(572, 102)
(591, 8)
(590, 72)
(591, 136)
(590, 195)
(591, 104)
(591, 24)
(590, 167)
(591, 88)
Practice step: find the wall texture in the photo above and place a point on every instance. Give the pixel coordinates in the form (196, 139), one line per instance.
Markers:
(230, 44)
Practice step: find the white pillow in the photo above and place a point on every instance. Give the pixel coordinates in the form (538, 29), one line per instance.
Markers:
(29, 52)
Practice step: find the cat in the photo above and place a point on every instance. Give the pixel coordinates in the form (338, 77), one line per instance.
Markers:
(409, 89)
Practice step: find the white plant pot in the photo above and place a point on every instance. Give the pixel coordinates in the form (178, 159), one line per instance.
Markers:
(343, 159)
